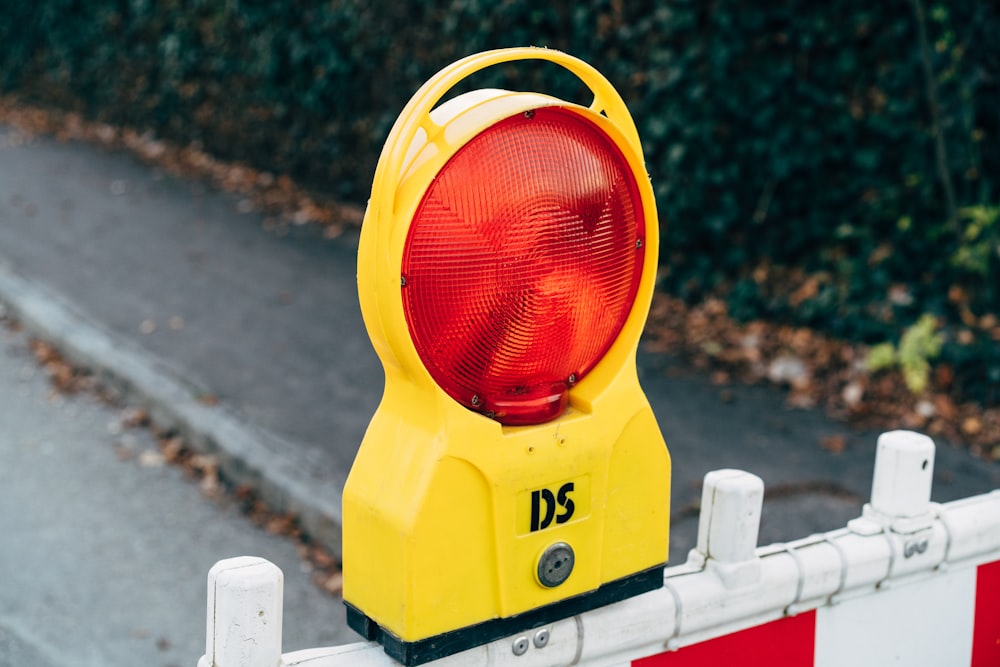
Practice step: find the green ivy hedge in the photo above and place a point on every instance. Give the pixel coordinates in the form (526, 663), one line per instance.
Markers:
(850, 149)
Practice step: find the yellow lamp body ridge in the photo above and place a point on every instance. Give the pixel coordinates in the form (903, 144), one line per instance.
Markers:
(447, 514)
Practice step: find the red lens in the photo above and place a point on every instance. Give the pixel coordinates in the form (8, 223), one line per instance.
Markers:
(522, 262)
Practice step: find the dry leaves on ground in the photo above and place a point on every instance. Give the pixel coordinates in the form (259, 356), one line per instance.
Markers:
(279, 198)
(173, 449)
(65, 377)
(818, 371)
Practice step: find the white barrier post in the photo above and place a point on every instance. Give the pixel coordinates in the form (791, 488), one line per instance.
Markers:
(244, 614)
(731, 502)
(901, 486)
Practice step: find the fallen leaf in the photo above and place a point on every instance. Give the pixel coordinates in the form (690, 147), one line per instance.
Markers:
(787, 369)
(806, 291)
(925, 409)
(321, 558)
(852, 393)
(835, 444)
(945, 407)
(172, 448)
(208, 399)
(334, 583)
(134, 418)
(151, 459)
(283, 524)
(972, 425)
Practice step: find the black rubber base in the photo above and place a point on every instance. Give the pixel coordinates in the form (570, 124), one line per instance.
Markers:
(431, 648)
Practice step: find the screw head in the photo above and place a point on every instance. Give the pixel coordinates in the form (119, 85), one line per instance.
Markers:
(520, 646)
(556, 564)
(541, 639)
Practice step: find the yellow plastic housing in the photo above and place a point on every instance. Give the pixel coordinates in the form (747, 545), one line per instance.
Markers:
(438, 526)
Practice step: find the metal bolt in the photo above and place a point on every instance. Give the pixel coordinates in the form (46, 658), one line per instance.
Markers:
(475, 399)
(572, 378)
(542, 638)
(529, 114)
(520, 646)
(914, 547)
(556, 564)
(402, 281)
(638, 243)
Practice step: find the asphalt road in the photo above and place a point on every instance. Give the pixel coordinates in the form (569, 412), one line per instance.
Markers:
(103, 561)
(95, 246)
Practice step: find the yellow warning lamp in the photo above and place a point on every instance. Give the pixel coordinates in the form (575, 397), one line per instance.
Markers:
(513, 473)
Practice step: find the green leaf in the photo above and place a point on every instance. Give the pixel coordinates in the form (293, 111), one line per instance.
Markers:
(881, 357)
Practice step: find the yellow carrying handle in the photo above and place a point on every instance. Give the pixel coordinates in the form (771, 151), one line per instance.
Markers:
(416, 113)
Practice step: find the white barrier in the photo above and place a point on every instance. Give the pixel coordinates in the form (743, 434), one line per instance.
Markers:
(910, 582)
(244, 614)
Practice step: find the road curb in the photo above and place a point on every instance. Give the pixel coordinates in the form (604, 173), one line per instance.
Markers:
(247, 454)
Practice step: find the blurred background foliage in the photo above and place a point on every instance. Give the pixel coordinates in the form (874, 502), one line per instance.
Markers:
(835, 165)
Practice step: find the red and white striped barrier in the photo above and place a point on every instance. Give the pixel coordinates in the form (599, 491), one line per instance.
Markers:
(951, 619)
(910, 582)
